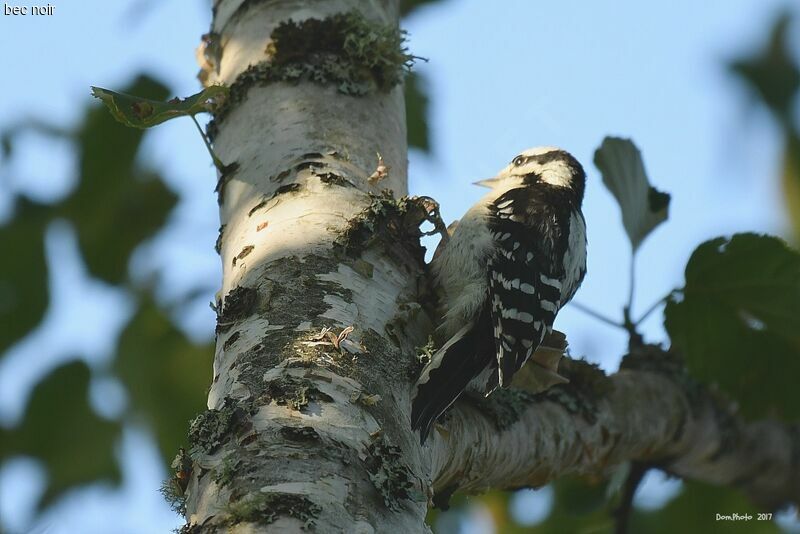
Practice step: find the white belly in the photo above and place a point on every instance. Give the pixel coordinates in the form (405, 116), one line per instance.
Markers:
(575, 258)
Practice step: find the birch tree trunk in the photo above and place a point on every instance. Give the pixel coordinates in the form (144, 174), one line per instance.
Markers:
(297, 433)
(321, 313)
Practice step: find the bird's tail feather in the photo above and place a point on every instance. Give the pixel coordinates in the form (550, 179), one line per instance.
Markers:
(451, 368)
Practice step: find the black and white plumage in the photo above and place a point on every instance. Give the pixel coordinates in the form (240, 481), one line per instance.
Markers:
(515, 258)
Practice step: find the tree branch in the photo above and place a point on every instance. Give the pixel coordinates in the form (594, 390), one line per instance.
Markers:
(643, 414)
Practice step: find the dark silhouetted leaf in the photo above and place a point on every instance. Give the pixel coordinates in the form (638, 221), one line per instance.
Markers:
(116, 205)
(773, 73)
(643, 206)
(139, 112)
(23, 272)
(165, 374)
(417, 112)
(60, 429)
(738, 322)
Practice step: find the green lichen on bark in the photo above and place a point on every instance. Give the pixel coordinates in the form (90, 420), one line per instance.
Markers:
(587, 386)
(173, 494)
(296, 393)
(585, 376)
(173, 489)
(395, 222)
(344, 49)
(290, 294)
(209, 429)
(225, 473)
(267, 507)
(504, 406)
(670, 364)
(385, 360)
(347, 51)
(389, 474)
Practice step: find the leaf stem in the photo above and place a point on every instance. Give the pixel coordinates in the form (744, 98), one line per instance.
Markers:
(599, 316)
(635, 339)
(632, 284)
(217, 162)
(653, 308)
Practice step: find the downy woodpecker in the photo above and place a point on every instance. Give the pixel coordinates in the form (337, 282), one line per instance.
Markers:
(514, 259)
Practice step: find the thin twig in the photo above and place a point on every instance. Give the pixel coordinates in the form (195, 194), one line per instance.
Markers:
(217, 162)
(653, 308)
(597, 315)
(635, 338)
(632, 281)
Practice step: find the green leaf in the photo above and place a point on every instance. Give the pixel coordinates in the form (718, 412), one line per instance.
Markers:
(579, 506)
(773, 73)
(790, 178)
(643, 206)
(738, 321)
(139, 112)
(60, 429)
(117, 205)
(23, 273)
(110, 228)
(166, 375)
(417, 112)
(9, 134)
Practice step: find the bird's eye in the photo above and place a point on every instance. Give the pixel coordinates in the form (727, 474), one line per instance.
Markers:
(518, 161)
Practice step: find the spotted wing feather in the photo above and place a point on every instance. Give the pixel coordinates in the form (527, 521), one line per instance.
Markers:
(525, 276)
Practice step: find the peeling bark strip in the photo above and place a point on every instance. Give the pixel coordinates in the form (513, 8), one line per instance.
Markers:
(651, 411)
(344, 50)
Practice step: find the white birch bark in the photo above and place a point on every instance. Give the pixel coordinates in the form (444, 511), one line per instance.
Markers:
(643, 416)
(308, 422)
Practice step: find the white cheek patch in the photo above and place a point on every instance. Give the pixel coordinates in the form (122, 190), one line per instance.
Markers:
(557, 173)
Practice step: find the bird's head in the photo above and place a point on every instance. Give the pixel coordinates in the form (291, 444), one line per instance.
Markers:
(541, 165)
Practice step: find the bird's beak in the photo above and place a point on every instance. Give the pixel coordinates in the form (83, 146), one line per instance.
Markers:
(488, 182)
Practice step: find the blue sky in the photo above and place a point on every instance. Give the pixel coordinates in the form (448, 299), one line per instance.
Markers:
(503, 76)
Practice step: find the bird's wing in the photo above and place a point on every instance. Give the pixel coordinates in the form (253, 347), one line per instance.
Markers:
(525, 277)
